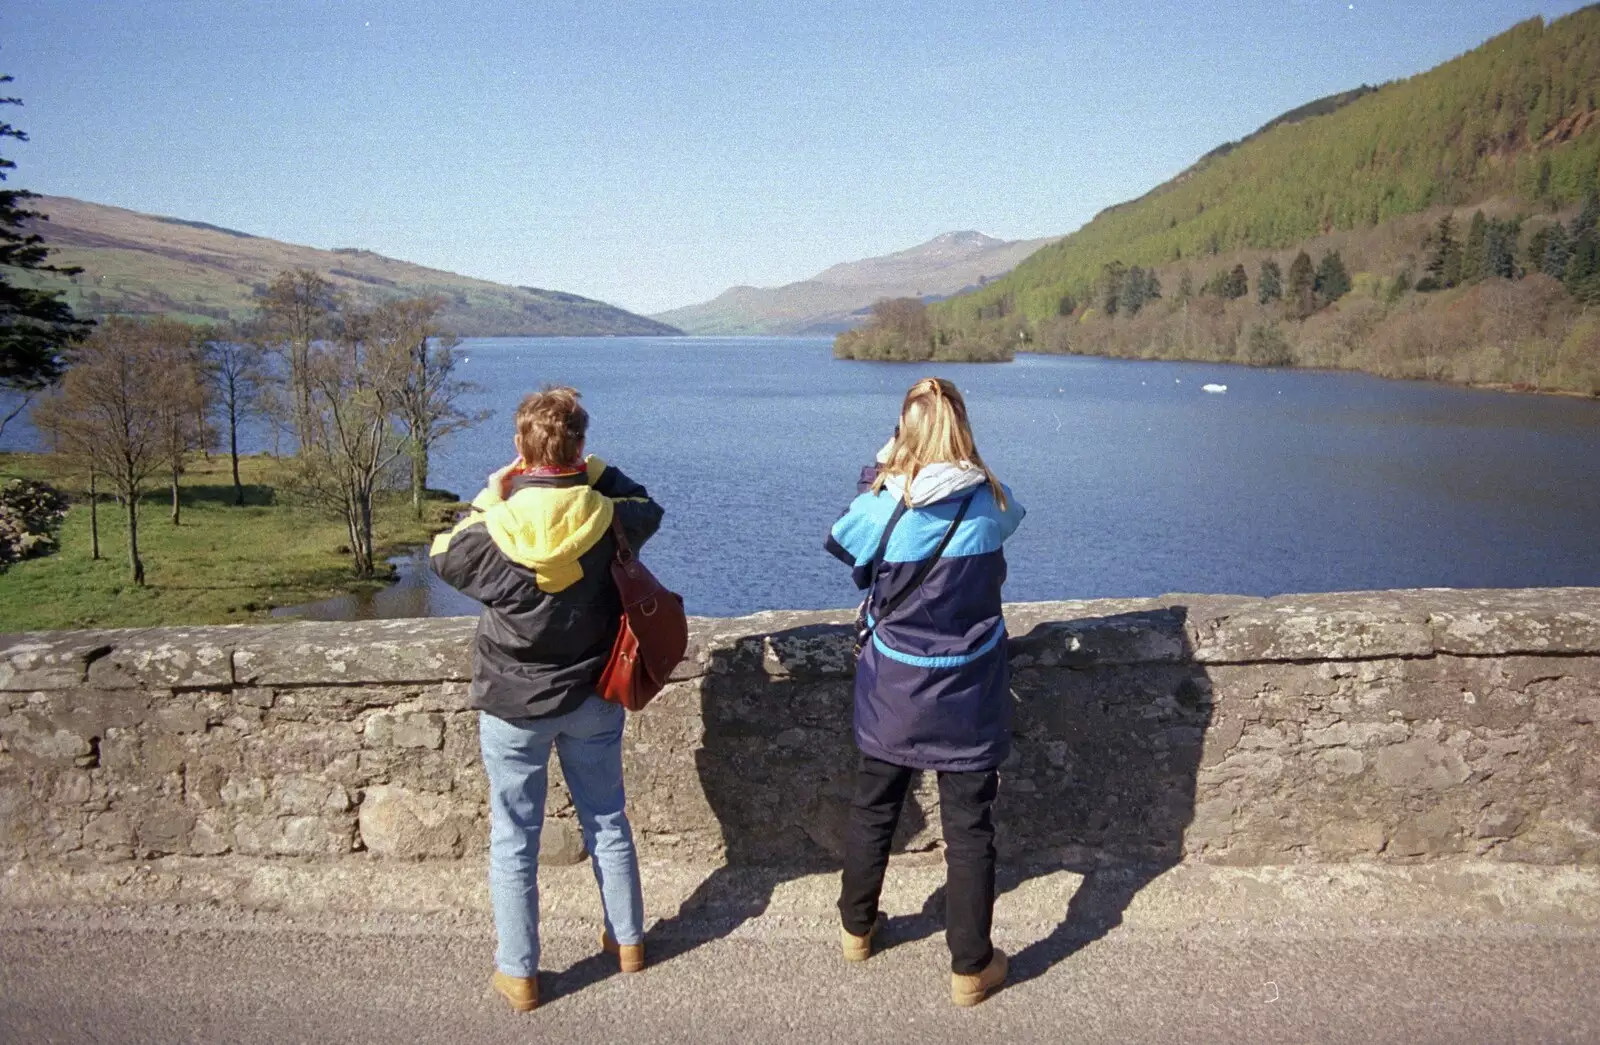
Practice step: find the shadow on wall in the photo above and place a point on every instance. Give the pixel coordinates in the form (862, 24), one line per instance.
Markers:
(777, 764)
(1108, 754)
(1111, 713)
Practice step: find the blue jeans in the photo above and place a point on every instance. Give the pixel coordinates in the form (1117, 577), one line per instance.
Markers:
(516, 756)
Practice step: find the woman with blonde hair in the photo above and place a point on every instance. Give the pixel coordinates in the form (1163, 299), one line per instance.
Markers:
(932, 687)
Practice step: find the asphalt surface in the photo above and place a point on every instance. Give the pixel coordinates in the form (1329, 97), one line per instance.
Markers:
(1322, 974)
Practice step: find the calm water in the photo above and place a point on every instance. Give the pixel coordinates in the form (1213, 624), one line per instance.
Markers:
(1136, 481)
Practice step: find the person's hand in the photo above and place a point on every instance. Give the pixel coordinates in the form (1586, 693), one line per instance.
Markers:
(500, 478)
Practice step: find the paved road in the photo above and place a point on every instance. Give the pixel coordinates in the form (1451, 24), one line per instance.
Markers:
(721, 975)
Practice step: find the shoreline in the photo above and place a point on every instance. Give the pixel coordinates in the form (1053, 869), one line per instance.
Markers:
(1486, 386)
(222, 564)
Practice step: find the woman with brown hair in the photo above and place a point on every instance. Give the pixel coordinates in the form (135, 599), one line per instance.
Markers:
(536, 551)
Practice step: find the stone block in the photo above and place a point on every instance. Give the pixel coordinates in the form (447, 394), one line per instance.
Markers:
(1340, 762)
(1434, 833)
(73, 788)
(1498, 623)
(347, 653)
(183, 717)
(163, 828)
(1421, 765)
(294, 835)
(811, 650)
(244, 793)
(155, 658)
(309, 796)
(44, 660)
(34, 737)
(1309, 628)
(1346, 839)
(404, 729)
(1151, 636)
(400, 823)
(561, 843)
(109, 832)
(211, 836)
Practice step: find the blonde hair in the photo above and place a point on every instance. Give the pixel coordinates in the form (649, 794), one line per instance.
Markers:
(551, 426)
(933, 429)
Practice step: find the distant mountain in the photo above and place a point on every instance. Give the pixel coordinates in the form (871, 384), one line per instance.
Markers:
(840, 296)
(193, 270)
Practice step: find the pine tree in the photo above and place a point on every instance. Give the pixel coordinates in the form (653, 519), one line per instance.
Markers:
(1533, 253)
(1557, 249)
(1332, 280)
(1111, 279)
(1582, 275)
(1238, 284)
(1152, 285)
(1500, 250)
(1588, 218)
(1444, 268)
(1185, 285)
(1472, 255)
(1269, 285)
(1302, 277)
(1134, 291)
(35, 325)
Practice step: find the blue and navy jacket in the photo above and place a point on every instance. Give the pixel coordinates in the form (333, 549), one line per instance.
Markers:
(933, 683)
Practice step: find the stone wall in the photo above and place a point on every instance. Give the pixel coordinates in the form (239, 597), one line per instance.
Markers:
(1386, 726)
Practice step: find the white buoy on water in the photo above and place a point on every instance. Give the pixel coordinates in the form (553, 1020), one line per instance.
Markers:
(1213, 388)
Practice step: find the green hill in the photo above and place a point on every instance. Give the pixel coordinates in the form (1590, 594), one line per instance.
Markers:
(1447, 224)
(145, 264)
(1516, 117)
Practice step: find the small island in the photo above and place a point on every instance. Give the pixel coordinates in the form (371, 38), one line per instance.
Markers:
(900, 331)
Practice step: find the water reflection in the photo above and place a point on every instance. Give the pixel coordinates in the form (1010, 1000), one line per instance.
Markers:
(417, 592)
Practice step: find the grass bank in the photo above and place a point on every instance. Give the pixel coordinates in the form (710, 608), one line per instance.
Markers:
(225, 564)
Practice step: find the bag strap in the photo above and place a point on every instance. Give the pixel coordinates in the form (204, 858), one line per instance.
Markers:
(927, 564)
(883, 545)
(624, 552)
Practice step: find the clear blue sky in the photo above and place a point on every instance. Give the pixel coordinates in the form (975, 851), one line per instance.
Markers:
(651, 154)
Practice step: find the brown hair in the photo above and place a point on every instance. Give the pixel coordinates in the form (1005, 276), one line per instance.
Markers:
(933, 428)
(551, 426)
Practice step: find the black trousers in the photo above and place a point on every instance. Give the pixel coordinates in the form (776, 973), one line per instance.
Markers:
(966, 809)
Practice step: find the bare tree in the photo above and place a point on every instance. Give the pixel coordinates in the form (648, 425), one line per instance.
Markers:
(298, 310)
(429, 394)
(233, 369)
(70, 458)
(351, 435)
(183, 399)
(107, 409)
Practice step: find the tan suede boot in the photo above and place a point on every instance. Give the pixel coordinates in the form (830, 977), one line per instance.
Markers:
(520, 992)
(630, 957)
(970, 990)
(858, 948)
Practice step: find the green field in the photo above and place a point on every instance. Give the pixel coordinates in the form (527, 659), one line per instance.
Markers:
(223, 565)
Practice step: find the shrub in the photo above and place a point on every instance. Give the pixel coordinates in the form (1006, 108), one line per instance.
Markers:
(30, 519)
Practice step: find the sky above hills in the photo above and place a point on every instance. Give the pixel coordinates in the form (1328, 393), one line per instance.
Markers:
(652, 155)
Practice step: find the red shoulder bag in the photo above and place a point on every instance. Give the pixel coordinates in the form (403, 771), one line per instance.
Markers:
(654, 634)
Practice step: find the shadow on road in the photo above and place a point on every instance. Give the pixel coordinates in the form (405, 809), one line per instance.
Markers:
(1101, 782)
(1113, 752)
(777, 765)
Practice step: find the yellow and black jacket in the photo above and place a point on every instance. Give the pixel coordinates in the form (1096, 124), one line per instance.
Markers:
(539, 561)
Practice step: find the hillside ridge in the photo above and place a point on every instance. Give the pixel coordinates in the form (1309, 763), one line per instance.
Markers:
(161, 265)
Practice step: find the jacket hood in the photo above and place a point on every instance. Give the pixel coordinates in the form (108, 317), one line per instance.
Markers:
(935, 482)
(547, 528)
